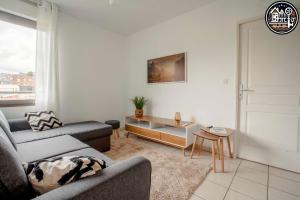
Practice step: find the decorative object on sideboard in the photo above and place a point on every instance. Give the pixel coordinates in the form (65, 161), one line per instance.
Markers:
(177, 117)
(167, 69)
(139, 103)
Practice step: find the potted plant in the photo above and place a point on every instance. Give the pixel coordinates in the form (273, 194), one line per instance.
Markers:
(139, 103)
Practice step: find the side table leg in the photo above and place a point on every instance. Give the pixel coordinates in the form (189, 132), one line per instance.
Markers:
(229, 147)
(118, 134)
(115, 134)
(200, 145)
(193, 148)
(213, 155)
(222, 154)
(218, 150)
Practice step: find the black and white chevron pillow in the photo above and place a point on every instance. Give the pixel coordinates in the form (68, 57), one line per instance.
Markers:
(48, 174)
(43, 120)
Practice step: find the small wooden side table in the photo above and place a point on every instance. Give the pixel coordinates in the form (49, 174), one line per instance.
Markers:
(215, 140)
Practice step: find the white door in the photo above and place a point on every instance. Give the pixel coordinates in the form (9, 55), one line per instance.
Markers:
(270, 110)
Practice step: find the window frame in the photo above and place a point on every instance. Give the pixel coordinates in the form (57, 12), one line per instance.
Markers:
(22, 21)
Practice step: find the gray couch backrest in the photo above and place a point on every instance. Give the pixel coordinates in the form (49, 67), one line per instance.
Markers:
(13, 180)
(5, 126)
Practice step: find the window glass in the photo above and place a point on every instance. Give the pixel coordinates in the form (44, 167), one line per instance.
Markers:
(17, 61)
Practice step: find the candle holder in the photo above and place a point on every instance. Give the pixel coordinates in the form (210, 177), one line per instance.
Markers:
(177, 117)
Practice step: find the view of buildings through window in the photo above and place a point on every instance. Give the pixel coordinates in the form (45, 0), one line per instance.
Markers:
(17, 61)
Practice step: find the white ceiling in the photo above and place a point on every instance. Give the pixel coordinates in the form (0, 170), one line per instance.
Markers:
(128, 16)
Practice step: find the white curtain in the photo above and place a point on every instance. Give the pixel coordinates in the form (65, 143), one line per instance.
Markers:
(47, 94)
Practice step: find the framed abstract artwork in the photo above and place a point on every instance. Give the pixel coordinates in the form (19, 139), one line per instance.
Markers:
(167, 69)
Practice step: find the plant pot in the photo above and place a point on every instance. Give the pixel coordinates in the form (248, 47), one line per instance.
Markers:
(139, 113)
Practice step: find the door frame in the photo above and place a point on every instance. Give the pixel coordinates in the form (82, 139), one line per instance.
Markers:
(238, 82)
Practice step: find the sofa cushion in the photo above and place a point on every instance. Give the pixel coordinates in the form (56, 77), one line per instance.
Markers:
(48, 174)
(46, 148)
(12, 176)
(83, 131)
(43, 120)
(5, 126)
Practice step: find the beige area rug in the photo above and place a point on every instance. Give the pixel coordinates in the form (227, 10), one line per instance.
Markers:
(174, 176)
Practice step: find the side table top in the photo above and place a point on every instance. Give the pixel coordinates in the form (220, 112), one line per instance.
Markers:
(228, 132)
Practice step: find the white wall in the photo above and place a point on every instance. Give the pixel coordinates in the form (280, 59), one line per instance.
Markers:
(93, 71)
(209, 36)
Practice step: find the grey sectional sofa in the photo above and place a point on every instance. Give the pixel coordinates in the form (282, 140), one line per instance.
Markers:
(93, 133)
(129, 179)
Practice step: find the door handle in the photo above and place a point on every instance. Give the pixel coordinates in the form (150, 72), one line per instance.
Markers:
(242, 90)
(247, 90)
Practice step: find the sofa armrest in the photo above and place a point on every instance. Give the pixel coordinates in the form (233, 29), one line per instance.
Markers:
(124, 180)
(18, 124)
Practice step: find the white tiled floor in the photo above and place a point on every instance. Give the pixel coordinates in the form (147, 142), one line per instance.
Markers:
(245, 180)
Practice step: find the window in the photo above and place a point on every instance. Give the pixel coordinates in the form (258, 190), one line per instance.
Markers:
(17, 60)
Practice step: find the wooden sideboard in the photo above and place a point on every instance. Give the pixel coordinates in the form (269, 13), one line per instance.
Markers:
(166, 131)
